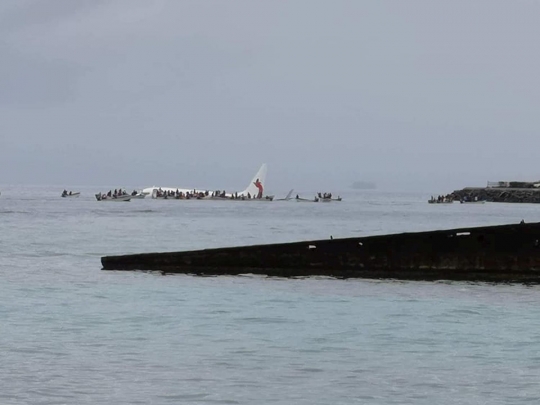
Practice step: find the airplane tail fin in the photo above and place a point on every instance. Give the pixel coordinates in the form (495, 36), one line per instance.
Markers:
(257, 185)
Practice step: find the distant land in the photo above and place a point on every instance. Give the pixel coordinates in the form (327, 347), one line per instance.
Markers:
(501, 191)
(364, 185)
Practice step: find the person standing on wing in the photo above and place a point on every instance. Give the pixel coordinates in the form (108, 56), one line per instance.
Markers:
(259, 185)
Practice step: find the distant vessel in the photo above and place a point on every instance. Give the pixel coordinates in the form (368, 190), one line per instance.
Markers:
(137, 195)
(330, 199)
(300, 199)
(118, 198)
(364, 185)
(443, 201)
(473, 202)
(326, 197)
(66, 194)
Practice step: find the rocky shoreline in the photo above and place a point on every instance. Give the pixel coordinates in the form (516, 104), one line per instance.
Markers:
(498, 194)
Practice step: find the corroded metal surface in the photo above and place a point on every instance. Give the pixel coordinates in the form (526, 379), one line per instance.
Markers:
(493, 253)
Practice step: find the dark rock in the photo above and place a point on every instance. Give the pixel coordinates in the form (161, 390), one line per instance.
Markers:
(508, 195)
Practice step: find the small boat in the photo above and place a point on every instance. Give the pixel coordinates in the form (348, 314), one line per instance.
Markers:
(265, 198)
(317, 199)
(326, 197)
(70, 194)
(137, 195)
(330, 199)
(445, 201)
(473, 202)
(118, 198)
(300, 199)
(157, 196)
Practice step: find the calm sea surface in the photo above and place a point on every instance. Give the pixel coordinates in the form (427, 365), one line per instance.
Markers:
(74, 334)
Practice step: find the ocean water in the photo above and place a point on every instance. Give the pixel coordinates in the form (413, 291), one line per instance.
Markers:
(74, 334)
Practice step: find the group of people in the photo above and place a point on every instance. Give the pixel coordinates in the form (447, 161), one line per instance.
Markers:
(319, 197)
(65, 193)
(236, 196)
(199, 195)
(116, 193)
(180, 195)
(441, 199)
(469, 198)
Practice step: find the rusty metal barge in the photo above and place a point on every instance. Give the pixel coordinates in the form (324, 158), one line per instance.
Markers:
(503, 253)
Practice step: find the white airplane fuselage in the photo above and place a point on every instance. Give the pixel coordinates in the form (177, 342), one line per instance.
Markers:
(255, 189)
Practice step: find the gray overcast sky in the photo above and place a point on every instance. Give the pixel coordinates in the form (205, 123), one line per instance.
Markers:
(433, 95)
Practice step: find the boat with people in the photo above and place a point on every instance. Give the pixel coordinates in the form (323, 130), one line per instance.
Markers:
(300, 199)
(137, 195)
(319, 197)
(470, 199)
(70, 194)
(105, 197)
(327, 197)
(441, 200)
(164, 194)
(330, 199)
(253, 192)
(473, 202)
(116, 195)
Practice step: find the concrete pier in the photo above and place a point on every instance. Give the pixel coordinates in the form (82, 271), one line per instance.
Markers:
(505, 253)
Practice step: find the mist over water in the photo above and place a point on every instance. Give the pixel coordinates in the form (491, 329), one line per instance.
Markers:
(72, 333)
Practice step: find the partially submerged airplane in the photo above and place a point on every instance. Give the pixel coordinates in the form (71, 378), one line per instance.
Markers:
(253, 192)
